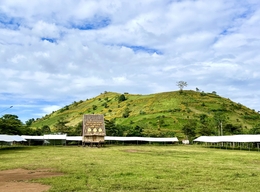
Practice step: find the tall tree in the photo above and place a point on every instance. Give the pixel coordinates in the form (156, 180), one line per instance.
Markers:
(60, 126)
(135, 131)
(232, 129)
(45, 129)
(206, 125)
(220, 119)
(189, 129)
(11, 124)
(181, 85)
(29, 122)
(111, 128)
(77, 130)
(255, 129)
(115, 130)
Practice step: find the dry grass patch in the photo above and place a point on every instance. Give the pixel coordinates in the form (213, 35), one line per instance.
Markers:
(19, 180)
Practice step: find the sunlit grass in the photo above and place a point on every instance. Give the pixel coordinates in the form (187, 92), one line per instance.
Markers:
(140, 168)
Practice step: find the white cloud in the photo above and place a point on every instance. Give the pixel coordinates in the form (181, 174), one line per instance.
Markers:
(46, 30)
(139, 47)
(50, 109)
(121, 80)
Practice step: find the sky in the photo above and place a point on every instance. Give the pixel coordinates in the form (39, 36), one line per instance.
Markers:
(53, 53)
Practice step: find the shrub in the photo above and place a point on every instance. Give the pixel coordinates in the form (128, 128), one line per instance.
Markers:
(203, 93)
(121, 98)
(126, 113)
(105, 105)
(142, 112)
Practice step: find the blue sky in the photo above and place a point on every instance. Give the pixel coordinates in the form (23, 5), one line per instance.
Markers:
(53, 53)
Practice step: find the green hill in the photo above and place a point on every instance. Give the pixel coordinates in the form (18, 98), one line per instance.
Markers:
(160, 114)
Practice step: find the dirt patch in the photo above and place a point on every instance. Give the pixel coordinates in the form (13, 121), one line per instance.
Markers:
(18, 180)
(135, 151)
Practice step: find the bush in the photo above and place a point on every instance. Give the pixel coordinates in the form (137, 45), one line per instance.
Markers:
(105, 105)
(121, 98)
(203, 93)
(126, 113)
(142, 112)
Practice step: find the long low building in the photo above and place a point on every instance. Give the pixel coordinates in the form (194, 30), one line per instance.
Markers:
(149, 139)
(11, 138)
(107, 138)
(229, 138)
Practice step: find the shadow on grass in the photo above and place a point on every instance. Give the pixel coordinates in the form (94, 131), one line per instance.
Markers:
(234, 148)
(9, 149)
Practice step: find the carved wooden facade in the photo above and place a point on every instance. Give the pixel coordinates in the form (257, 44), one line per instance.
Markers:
(94, 131)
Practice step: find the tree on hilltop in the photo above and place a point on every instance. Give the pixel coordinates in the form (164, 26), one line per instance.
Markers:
(181, 85)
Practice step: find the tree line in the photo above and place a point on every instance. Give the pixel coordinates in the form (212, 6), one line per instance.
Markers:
(12, 125)
(192, 128)
(212, 126)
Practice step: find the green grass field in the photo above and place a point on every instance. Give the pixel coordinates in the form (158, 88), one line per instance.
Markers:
(139, 167)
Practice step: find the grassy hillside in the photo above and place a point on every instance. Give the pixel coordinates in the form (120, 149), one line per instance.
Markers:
(160, 112)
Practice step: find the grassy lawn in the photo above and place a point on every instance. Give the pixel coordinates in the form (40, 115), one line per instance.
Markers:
(139, 168)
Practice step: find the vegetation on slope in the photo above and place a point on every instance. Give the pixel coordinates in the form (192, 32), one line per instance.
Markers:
(183, 113)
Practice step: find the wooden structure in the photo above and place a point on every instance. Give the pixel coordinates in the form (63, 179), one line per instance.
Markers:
(94, 131)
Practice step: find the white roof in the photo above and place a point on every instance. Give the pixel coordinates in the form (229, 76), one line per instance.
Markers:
(45, 137)
(56, 137)
(107, 138)
(32, 137)
(153, 139)
(74, 138)
(11, 138)
(229, 138)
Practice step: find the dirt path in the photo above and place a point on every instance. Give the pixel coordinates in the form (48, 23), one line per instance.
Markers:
(17, 180)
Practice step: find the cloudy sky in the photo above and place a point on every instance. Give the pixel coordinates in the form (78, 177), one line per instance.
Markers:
(55, 52)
